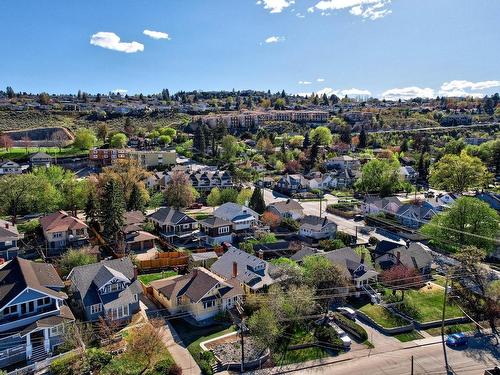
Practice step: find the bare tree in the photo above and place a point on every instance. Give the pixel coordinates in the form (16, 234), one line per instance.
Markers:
(26, 142)
(107, 329)
(6, 142)
(59, 139)
(147, 341)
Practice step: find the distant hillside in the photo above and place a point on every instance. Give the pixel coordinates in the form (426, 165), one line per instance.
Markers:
(19, 120)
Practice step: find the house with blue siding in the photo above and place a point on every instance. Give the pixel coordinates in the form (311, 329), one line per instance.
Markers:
(9, 237)
(109, 289)
(33, 313)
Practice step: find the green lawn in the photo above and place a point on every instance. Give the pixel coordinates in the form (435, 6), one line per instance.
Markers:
(146, 279)
(20, 152)
(408, 336)
(427, 306)
(439, 280)
(300, 355)
(383, 316)
(466, 327)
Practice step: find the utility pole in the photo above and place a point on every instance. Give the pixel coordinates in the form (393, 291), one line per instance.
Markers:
(411, 365)
(240, 310)
(442, 321)
(320, 205)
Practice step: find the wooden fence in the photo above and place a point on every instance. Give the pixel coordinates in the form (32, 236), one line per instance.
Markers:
(165, 260)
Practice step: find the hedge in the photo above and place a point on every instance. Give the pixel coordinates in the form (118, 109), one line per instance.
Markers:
(350, 326)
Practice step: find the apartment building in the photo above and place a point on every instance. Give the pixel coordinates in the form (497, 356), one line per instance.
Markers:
(147, 159)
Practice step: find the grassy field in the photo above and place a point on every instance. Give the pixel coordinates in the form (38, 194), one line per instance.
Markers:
(20, 152)
(466, 327)
(148, 278)
(439, 280)
(408, 336)
(383, 316)
(300, 355)
(428, 305)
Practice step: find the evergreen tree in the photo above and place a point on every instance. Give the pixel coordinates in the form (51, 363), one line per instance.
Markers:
(136, 200)
(257, 202)
(79, 94)
(307, 142)
(199, 141)
(345, 133)
(112, 208)
(325, 100)
(313, 154)
(404, 145)
(362, 138)
(423, 167)
(92, 208)
(10, 92)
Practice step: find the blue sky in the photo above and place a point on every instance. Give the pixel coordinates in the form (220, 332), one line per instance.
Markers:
(385, 48)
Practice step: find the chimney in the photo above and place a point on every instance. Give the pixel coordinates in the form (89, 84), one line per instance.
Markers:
(235, 269)
(261, 254)
(194, 272)
(363, 257)
(135, 272)
(398, 257)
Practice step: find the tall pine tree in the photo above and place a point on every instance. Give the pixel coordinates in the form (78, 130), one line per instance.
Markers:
(136, 200)
(362, 138)
(257, 202)
(112, 208)
(92, 209)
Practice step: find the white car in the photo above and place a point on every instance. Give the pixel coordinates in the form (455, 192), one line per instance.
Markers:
(346, 340)
(347, 312)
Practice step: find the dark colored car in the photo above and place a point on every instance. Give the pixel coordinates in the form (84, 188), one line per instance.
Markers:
(457, 339)
(359, 217)
(195, 206)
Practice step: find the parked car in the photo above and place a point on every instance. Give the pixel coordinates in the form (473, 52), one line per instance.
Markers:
(429, 194)
(347, 312)
(195, 206)
(457, 339)
(359, 217)
(346, 340)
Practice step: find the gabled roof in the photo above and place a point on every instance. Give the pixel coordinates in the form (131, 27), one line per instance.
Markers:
(286, 206)
(350, 263)
(40, 155)
(83, 277)
(169, 215)
(8, 231)
(315, 223)
(105, 274)
(415, 255)
(230, 211)
(10, 164)
(19, 274)
(214, 222)
(251, 270)
(60, 221)
(195, 285)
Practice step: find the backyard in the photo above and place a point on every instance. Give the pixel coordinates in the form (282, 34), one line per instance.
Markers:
(146, 279)
(383, 316)
(20, 152)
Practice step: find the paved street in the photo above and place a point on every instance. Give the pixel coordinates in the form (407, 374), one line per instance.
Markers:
(428, 359)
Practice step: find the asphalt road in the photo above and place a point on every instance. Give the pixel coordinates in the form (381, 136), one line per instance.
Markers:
(427, 359)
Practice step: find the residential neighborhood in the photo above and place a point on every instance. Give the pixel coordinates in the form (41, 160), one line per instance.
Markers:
(264, 193)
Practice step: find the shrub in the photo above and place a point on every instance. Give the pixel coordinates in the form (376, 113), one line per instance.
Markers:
(164, 366)
(175, 370)
(328, 335)
(96, 359)
(290, 224)
(63, 365)
(351, 326)
(205, 361)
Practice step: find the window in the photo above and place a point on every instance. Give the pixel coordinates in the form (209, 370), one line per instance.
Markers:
(208, 304)
(57, 330)
(10, 310)
(94, 309)
(136, 297)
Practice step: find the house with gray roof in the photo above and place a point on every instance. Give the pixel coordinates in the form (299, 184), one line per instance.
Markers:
(414, 215)
(317, 228)
(292, 183)
(372, 205)
(414, 256)
(10, 167)
(242, 217)
(40, 159)
(109, 289)
(252, 273)
(201, 294)
(287, 209)
(173, 225)
(33, 312)
(354, 266)
(9, 237)
(215, 230)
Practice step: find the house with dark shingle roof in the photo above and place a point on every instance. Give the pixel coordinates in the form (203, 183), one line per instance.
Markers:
(32, 311)
(287, 209)
(109, 289)
(414, 215)
(173, 225)
(136, 239)
(251, 272)
(215, 230)
(317, 228)
(353, 266)
(201, 294)
(61, 231)
(414, 256)
(292, 183)
(9, 236)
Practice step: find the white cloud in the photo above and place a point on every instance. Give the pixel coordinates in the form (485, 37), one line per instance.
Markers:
(275, 6)
(275, 39)
(156, 34)
(340, 93)
(112, 41)
(320, 80)
(408, 93)
(462, 85)
(372, 9)
(460, 93)
(305, 82)
(120, 91)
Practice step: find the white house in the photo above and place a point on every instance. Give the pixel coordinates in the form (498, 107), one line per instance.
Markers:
(10, 167)
(242, 217)
(317, 228)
